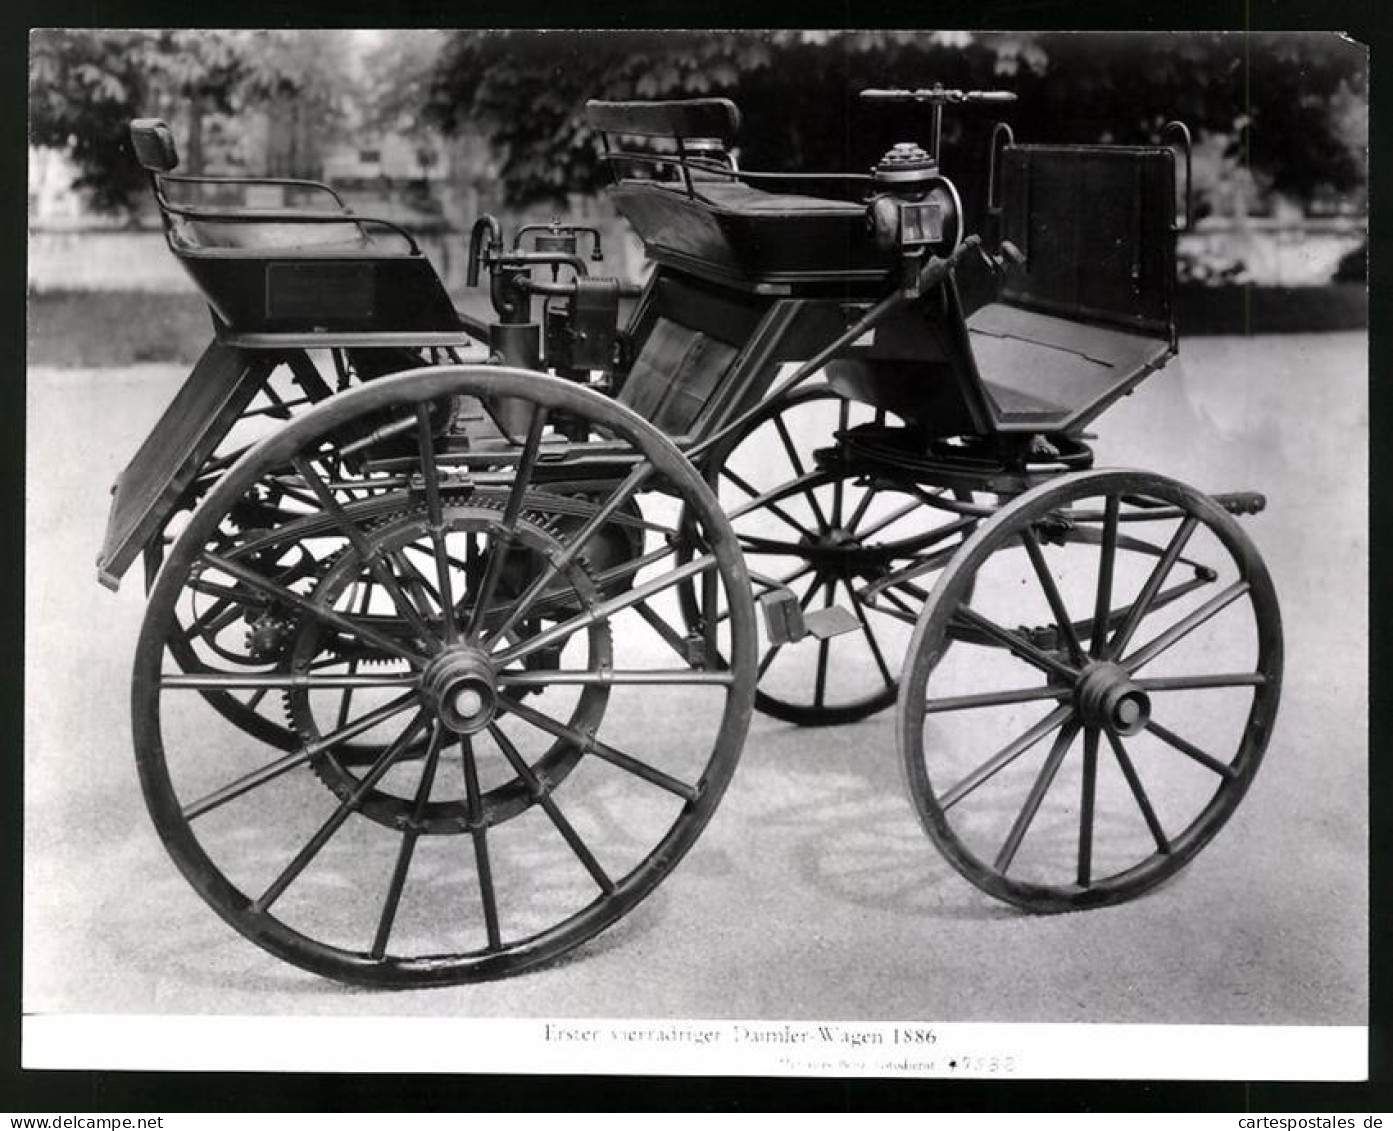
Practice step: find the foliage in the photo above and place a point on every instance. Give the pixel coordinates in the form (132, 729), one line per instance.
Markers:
(527, 90)
(398, 68)
(1271, 112)
(86, 84)
(1280, 110)
(1286, 107)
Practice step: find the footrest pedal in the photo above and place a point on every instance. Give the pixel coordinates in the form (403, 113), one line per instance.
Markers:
(786, 623)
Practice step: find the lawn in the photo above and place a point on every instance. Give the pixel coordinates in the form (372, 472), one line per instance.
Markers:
(85, 329)
(74, 329)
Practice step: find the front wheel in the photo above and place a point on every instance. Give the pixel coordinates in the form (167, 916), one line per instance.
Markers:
(1112, 687)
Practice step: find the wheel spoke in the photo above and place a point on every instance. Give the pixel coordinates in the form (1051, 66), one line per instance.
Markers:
(1014, 643)
(1005, 756)
(799, 470)
(1051, 591)
(861, 508)
(1033, 800)
(214, 618)
(994, 699)
(1194, 682)
(766, 501)
(1103, 601)
(610, 677)
(589, 744)
(1223, 769)
(543, 798)
(905, 612)
(430, 475)
(606, 609)
(405, 607)
(498, 551)
(555, 564)
(478, 832)
(616, 575)
(842, 419)
(408, 845)
(820, 681)
(889, 520)
(273, 770)
(346, 699)
(1134, 784)
(346, 808)
(668, 634)
(871, 640)
(1184, 627)
(273, 681)
(1089, 790)
(1123, 636)
(710, 612)
(304, 604)
(824, 648)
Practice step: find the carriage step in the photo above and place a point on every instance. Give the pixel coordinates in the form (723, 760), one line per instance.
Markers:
(787, 623)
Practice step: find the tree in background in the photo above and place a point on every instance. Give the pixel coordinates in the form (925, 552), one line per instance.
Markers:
(85, 85)
(1273, 114)
(1280, 109)
(527, 90)
(1287, 108)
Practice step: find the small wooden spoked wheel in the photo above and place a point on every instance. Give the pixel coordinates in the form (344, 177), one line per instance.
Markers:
(1113, 683)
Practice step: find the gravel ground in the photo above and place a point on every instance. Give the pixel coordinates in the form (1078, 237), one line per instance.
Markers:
(813, 893)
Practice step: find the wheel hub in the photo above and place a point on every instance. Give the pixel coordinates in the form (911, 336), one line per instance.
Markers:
(835, 552)
(1108, 696)
(461, 686)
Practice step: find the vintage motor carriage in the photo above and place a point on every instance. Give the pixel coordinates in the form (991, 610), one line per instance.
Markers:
(455, 628)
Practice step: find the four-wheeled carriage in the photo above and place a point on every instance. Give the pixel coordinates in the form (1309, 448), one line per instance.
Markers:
(484, 606)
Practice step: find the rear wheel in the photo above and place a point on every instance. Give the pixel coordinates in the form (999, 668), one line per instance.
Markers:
(476, 782)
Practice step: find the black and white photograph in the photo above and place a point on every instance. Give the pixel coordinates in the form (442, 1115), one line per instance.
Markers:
(796, 553)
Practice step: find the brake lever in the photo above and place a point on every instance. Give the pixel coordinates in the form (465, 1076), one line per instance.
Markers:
(1011, 257)
(937, 269)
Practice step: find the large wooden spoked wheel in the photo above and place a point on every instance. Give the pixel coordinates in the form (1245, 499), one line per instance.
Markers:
(488, 646)
(1114, 678)
(827, 534)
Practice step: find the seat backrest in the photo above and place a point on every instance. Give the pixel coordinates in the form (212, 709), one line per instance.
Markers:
(1097, 226)
(717, 118)
(154, 146)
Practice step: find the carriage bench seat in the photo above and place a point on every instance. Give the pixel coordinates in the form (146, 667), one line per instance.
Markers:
(714, 225)
(272, 275)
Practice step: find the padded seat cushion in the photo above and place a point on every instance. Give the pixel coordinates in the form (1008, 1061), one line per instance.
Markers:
(287, 236)
(740, 197)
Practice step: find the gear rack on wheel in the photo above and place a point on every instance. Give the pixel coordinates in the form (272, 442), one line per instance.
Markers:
(450, 652)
